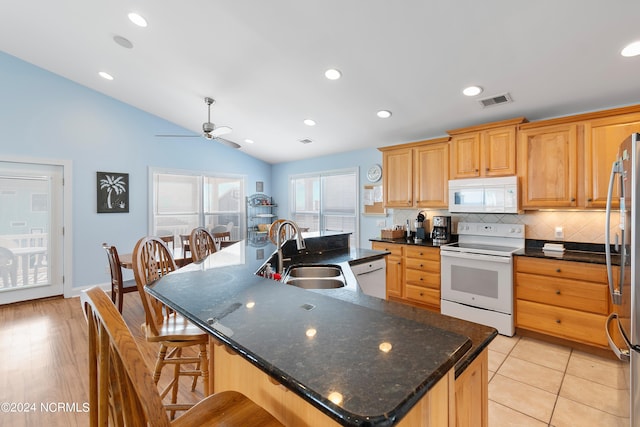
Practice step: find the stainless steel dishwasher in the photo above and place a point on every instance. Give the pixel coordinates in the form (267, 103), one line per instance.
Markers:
(372, 277)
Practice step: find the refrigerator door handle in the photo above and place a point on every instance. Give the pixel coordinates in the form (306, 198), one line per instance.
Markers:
(616, 296)
(622, 354)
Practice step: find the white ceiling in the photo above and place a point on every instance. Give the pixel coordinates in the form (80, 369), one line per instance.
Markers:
(264, 62)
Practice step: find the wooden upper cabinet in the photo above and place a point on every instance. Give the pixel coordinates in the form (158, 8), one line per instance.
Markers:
(548, 161)
(397, 177)
(602, 137)
(465, 156)
(484, 150)
(431, 172)
(416, 174)
(499, 152)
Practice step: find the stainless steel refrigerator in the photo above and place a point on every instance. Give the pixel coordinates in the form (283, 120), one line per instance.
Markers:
(622, 326)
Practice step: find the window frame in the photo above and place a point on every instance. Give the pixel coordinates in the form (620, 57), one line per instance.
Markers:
(355, 236)
(201, 214)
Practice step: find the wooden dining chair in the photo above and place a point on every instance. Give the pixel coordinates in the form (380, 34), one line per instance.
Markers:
(119, 287)
(202, 243)
(224, 236)
(122, 390)
(169, 238)
(151, 260)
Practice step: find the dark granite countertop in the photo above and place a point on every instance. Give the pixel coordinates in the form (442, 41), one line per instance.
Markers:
(576, 252)
(343, 356)
(404, 241)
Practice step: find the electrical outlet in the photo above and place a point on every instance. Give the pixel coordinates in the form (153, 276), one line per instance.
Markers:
(380, 223)
(559, 233)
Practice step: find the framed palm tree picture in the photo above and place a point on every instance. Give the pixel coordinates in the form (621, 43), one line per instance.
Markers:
(113, 192)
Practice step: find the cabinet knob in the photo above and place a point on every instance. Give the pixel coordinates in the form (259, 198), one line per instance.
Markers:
(421, 265)
(558, 321)
(589, 199)
(573, 199)
(477, 170)
(421, 294)
(408, 202)
(557, 291)
(558, 270)
(486, 169)
(421, 278)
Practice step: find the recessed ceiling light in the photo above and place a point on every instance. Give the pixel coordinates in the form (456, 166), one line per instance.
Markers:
(332, 74)
(384, 114)
(472, 90)
(137, 19)
(249, 141)
(309, 122)
(105, 76)
(632, 49)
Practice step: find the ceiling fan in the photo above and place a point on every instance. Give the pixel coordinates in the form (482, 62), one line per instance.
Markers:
(209, 130)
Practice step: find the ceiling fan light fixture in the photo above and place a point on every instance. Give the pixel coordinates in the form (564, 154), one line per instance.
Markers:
(632, 49)
(222, 130)
(137, 19)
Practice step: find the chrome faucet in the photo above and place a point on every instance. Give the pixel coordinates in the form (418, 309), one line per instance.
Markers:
(279, 234)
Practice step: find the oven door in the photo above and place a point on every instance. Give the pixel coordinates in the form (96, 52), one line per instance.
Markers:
(477, 280)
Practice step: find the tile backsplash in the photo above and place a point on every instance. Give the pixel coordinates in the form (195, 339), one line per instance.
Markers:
(577, 226)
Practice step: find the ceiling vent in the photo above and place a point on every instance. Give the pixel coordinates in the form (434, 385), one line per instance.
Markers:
(505, 98)
(306, 141)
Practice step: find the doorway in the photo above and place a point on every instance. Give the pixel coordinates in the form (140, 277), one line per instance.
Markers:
(31, 230)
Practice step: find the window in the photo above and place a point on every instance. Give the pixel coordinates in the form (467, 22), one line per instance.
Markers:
(183, 201)
(326, 201)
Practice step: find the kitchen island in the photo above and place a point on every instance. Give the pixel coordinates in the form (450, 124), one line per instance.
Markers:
(330, 357)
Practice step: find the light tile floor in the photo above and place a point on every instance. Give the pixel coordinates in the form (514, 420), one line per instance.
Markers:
(534, 383)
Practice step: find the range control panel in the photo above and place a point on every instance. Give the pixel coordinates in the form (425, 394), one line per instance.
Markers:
(491, 229)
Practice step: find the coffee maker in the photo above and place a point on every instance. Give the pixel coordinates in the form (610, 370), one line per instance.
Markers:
(441, 232)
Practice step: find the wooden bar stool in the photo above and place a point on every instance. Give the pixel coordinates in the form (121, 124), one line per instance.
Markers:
(152, 260)
(122, 391)
(119, 287)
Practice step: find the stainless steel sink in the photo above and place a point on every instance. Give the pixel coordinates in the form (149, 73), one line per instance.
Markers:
(316, 283)
(315, 277)
(315, 271)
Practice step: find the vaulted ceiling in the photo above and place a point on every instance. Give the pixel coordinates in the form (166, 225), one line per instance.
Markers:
(264, 63)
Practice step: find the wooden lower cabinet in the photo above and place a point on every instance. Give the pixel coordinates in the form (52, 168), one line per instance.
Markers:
(451, 402)
(422, 275)
(394, 267)
(472, 393)
(568, 300)
(413, 274)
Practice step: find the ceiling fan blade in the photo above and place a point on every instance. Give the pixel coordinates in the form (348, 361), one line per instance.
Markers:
(227, 142)
(178, 136)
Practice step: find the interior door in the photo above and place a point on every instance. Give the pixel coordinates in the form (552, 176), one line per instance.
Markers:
(31, 224)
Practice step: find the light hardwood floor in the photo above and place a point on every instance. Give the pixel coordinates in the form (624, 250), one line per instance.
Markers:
(44, 368)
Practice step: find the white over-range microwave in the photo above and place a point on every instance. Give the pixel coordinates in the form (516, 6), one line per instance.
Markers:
(479, 195)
